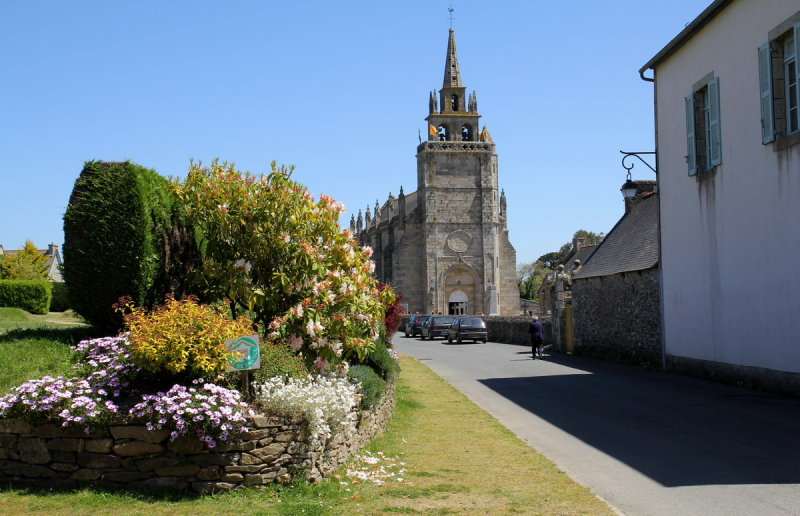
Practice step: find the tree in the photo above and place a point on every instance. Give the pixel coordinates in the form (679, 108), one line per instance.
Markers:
(529, 278)
(269, 247)
(26, 264)
(560, 256)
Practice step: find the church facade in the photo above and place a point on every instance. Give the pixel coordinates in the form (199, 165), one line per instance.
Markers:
(445, 247)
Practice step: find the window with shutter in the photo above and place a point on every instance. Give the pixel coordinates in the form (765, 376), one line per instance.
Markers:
(765, 82)
(714, 150)
(779, 85)
(691, 157)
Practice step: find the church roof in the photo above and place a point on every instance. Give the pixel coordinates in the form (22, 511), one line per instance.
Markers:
(452, 77)
(631, 246)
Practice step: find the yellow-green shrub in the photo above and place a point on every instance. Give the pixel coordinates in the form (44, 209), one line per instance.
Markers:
(182, 337)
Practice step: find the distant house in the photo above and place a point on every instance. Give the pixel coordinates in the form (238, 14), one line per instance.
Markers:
(615, 293)
(53, 260)
(727, 103)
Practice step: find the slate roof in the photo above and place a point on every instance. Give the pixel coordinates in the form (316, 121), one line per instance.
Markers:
(583, 254)
(632, 245)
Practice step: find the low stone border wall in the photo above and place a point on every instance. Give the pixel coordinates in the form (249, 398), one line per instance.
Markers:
(128, 455)
(514, 329)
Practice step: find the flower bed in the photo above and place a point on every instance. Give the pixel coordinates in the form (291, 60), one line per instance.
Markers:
(76, 431)
(128, 454)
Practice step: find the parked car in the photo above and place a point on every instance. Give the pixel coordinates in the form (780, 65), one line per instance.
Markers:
(435, 326)
(468, 328)
(414, 324)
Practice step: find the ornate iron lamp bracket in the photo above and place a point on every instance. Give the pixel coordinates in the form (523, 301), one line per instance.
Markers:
(627, 165)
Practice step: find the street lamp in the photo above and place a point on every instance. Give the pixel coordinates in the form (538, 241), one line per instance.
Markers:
(629, 188)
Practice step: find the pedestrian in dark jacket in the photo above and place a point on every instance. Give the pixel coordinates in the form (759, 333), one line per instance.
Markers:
(537, 338)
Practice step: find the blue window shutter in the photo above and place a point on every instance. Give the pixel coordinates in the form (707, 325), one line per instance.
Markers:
(691, 155)
(765, 80)
(716, 143)
(797, 40)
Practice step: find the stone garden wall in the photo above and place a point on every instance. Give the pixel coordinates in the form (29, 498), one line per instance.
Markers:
(514, 330)
(619, 317)
(128, 455)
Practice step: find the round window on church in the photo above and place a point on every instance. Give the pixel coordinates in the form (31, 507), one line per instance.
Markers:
(459, 241)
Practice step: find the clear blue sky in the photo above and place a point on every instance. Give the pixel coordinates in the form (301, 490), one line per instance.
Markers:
(339, 89)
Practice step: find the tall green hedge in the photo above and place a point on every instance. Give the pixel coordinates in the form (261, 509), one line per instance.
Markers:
(60, 301)
(123, 236)
(31, 295)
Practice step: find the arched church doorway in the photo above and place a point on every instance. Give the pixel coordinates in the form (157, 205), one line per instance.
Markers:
(457, 303)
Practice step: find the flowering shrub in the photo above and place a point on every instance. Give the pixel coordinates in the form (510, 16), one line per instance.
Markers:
(327, 403)
(181, 337)
(369, 384)
(394, 354)
(105, 371)
(210, 411)
(394, 312)
(271, 248)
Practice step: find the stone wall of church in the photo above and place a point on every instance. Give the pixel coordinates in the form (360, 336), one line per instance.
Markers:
(408, 264)
(508, 287)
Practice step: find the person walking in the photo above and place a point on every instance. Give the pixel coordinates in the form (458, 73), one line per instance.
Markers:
(537, 338)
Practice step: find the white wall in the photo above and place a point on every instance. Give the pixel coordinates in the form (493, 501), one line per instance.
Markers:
(730, 243)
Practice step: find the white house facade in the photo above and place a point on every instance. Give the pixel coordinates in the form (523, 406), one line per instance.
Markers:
(727, 106)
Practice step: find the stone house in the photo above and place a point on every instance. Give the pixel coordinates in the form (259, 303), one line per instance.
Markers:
(726, 102)
(615, 293)
(53, 260)
(445, 247)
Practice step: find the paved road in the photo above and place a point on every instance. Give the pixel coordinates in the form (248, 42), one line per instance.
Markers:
(647, 443)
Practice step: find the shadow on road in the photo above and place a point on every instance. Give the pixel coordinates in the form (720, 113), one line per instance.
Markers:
(678, 431)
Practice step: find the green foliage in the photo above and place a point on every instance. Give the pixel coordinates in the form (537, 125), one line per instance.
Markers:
(529, 278)
(30, 295)
(277, 360)
(123, 237)
(370, 385)
(269, 247)
(381, 361)
(60, 301)
(26, 264)
(560, 256)
(181, 338)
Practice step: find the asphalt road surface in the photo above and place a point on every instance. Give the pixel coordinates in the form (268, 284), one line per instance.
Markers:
(648, 443)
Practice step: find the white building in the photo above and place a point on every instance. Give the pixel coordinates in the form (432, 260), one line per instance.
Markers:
(728, 150)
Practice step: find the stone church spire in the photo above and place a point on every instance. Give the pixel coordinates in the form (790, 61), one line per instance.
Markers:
(455, 117)
(452, 77)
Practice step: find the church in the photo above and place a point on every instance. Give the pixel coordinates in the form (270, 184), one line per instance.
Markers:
(445, 247)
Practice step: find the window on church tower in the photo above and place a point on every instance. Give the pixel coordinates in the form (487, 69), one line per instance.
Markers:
(455, 102)
(466, 135)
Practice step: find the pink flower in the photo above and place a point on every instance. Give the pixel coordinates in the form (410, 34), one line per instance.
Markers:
(320, 364)
(295, 342)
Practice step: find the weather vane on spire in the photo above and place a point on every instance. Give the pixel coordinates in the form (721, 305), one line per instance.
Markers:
(451, 15)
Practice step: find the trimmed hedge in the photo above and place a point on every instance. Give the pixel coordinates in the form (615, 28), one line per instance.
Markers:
(60, 301)
(30, 295)
(123, 236)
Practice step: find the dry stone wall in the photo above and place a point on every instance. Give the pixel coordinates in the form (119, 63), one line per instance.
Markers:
(128, 455)
(514, 330)
(618, 317)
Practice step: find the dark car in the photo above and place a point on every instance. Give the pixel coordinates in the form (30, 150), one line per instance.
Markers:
(414, 324)
(468, 328)
(435, 326)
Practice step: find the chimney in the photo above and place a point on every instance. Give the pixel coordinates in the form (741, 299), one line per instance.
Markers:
(642, 188)
(52, 249)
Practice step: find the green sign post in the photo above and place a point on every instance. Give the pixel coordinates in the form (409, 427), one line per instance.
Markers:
(246, 355)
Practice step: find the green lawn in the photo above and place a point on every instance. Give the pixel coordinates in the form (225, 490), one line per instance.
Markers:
(440, 453)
